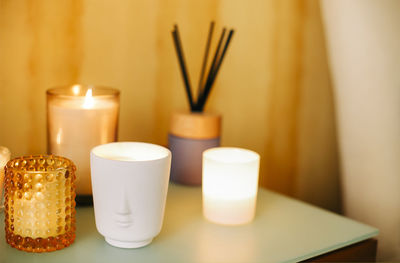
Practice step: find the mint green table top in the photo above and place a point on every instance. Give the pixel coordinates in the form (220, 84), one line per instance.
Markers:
(284, 230)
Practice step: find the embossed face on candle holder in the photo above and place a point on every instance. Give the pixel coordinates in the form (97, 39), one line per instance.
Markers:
(123, 216)
(130, 183)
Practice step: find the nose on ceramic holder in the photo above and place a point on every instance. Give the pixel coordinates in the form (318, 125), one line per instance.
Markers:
(130, 184)
(190, 135)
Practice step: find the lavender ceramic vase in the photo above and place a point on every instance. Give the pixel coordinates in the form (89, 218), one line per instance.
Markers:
(191, 134)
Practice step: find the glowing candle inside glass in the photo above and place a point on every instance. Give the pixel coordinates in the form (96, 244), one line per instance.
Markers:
(230, 184)
(39, 203)
(80, 118)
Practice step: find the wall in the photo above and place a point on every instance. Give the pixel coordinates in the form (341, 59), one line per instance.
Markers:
(273, 91)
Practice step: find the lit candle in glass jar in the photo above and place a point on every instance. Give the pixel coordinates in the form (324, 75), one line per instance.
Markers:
(78, 119)
(230, 184)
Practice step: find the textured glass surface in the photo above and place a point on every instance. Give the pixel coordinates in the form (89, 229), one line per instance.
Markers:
(39, 203)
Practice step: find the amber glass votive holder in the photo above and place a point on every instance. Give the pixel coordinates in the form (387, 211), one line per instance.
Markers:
(39, 202)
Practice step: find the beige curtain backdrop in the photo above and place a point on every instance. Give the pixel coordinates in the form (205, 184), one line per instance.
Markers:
(273, 90)
(365, 61)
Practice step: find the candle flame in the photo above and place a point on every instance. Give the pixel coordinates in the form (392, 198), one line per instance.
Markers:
(76, 89)
(59, 136)
(89, 101)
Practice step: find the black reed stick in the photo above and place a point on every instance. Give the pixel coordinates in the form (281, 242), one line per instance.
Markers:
(181, 58)
(210, 72)
(205, 59)
(205, 85)
(212, 75)
(222, 54)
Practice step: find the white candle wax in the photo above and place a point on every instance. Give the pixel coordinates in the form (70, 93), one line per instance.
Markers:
(41, 213)
(230, 183)
(78, 124)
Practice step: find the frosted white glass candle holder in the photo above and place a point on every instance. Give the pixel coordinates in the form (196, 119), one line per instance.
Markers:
(130, 184)
(78, 119)
(230, 184)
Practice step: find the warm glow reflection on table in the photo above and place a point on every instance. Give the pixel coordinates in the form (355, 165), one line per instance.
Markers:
(284, 230)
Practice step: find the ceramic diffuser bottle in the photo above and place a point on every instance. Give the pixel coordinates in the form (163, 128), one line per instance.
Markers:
(191, 134)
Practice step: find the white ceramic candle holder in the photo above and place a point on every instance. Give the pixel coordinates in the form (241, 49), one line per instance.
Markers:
(130, 184)
(230, 184)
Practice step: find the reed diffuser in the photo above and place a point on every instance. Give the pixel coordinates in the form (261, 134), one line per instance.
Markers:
(205, 83)
(195, 131)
